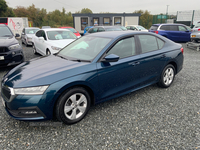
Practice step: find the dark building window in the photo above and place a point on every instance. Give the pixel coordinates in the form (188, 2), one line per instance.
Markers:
(95, 21)
(84, 23)
(117, 21)
(106, 21)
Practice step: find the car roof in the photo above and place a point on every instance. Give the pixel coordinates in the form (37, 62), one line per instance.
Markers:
(66, 27)
(31, 28)
(168, 24)
(106, 26)
(117, 34)
(54, 29)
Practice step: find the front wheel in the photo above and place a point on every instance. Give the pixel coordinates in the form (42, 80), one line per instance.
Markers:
(167, 76)
(34, 49)
(48, 52)
(73, 105)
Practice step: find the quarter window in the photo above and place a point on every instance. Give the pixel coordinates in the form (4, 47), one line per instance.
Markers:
(124, 48)
(160, 43)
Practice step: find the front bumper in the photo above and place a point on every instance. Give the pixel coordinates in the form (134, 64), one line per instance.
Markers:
(27, 107)
(10, 58)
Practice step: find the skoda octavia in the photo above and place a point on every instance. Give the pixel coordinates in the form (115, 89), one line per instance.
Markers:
(90, 70)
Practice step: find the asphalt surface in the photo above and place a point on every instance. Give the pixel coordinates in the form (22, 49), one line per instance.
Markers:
(152, 118)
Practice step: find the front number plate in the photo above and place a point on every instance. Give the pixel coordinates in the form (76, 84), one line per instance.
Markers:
(1, 57)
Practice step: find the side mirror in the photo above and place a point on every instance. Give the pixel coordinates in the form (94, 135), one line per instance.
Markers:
(17, 35)
(111, 58)
(41, 38)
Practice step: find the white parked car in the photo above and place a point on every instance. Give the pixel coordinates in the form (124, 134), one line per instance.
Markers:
(51, 40)
(136, 28)
(27, 34)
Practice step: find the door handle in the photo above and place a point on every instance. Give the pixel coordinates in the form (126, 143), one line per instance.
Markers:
(134, 63)
(163, 56)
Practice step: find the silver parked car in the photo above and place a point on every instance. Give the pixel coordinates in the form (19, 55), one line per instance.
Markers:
(195, 35)
(27, 34)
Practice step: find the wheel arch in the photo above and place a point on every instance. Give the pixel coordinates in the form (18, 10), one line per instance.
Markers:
(66, 88)
(174, 64)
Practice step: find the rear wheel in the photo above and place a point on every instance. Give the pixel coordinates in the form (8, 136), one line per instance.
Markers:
(195, 41)
(167, 76)
(73, 105)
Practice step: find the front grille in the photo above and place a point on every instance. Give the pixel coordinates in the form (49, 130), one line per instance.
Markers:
(6, 93)
(3, 49)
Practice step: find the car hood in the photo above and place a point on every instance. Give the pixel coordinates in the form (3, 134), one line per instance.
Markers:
(29, 35)
(44, 71)
(61, 43)
(7, 41)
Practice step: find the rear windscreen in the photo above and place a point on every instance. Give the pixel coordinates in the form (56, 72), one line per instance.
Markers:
(3, 20)
(153, 28)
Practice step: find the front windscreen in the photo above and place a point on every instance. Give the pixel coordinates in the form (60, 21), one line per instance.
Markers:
(84, 49)
(140, 28)
(5, 32)
(60, 35)
(72, 29)
(113, 29)
(31, 31)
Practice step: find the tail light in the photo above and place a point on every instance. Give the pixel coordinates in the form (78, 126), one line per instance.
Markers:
(156, 32)
(182, 50)
(199, 29)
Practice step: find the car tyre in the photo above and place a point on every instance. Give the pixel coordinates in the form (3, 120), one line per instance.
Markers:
(34, 49)
(73, 105)
(48, 52)
(167, 76)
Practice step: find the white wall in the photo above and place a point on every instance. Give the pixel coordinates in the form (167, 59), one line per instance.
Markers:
(131, 20)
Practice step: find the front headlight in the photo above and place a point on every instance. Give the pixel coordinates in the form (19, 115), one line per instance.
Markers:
(39, 90)
(55, 48)
(13, 47)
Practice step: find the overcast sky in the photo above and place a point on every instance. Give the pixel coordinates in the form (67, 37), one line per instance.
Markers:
(112, 6)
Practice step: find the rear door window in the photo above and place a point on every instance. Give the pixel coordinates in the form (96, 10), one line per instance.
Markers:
(165, 27)
(173, 28)
(150, 43)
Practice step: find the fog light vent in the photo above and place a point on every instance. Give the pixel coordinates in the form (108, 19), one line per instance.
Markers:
(30, 112)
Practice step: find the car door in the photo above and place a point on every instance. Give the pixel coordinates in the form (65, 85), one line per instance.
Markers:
(152, 59)
(36, 39)
(119, 77)
(43, 43)
(184, 33)
(40, 43)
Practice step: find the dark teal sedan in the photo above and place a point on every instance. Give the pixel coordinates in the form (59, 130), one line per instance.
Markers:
(92, 69)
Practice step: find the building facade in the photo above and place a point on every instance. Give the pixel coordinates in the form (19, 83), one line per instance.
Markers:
(123, 19)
